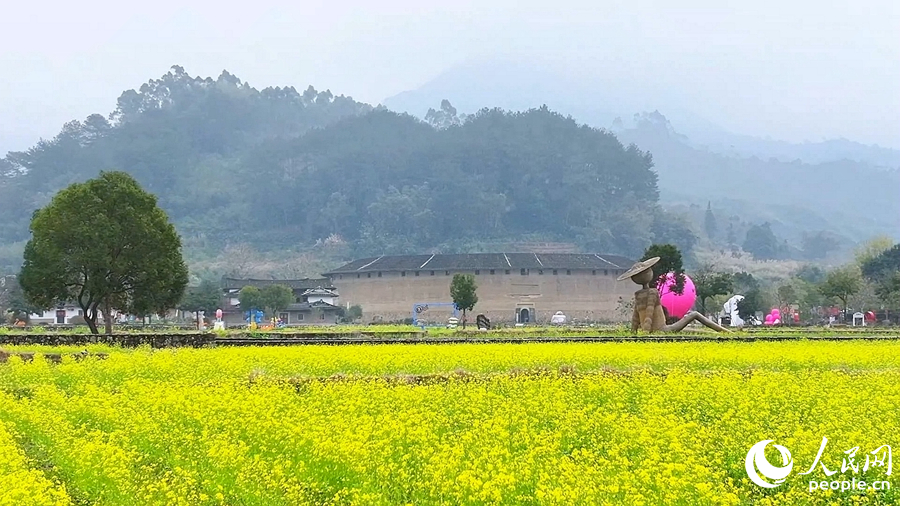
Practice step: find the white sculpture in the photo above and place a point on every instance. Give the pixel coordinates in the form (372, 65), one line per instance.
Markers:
(731, 308)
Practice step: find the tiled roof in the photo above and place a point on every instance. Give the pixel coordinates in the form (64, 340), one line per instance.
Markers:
(468, 262)
(296, 284)
(320, 291)
(308, 306)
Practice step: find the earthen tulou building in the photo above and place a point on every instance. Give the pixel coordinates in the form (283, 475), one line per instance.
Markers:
(512, 287)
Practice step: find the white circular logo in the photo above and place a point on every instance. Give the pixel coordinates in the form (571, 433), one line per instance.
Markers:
(756, 459)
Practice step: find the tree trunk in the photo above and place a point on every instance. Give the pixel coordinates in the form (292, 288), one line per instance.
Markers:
(90, 318)
(92, 325)
(107, 317)
(464, 319)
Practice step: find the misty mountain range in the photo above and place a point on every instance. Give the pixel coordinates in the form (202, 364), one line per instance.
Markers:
(840, 185)
(515, 86)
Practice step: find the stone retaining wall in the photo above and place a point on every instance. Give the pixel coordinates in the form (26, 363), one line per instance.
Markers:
(194, 340)
(119, 327)
(169, 340)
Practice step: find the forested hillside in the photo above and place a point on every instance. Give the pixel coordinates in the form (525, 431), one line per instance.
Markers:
(281, 169)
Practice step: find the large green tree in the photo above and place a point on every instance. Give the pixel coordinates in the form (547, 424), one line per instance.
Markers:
(882, 264)
(842, 283)
(883, 270)
(888, 290)
(871, 249)
(669, 261)
(708, 282)
(787, 295)
(250, 298)
(105, 245)
(752, 303)
(275, 298)
(206, 297)
(745, 284)
(462, 292)
(810, 273)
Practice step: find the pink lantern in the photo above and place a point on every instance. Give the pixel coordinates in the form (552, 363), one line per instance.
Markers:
(776, 312)
(218, 314)
(677, 305)
(769, 319)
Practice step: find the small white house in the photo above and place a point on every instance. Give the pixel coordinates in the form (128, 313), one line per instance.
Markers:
(61, 315)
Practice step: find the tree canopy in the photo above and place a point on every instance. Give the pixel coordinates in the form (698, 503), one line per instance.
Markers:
(842, 283)
(206, 297)
(709, 283)
(669, 261)
(817, 245)
(745, 284)
(276, 298)
(250, 298)
(462, 292)
(883, 264)
(751, 304)
(762, 243)
(883, 269)
(104, 244)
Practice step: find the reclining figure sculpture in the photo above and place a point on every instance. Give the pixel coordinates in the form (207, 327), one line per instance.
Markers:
(648, 310)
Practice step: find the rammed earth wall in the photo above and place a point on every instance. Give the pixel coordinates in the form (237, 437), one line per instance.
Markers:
(585, 295)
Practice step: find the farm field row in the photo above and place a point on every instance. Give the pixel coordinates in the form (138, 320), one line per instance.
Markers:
(606, 330)
(236, 364)
(615, 423)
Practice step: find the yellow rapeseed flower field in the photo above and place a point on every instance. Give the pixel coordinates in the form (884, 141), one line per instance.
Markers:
(541, 424)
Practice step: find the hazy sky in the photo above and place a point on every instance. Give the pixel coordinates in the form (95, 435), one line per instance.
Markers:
(795, 70)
